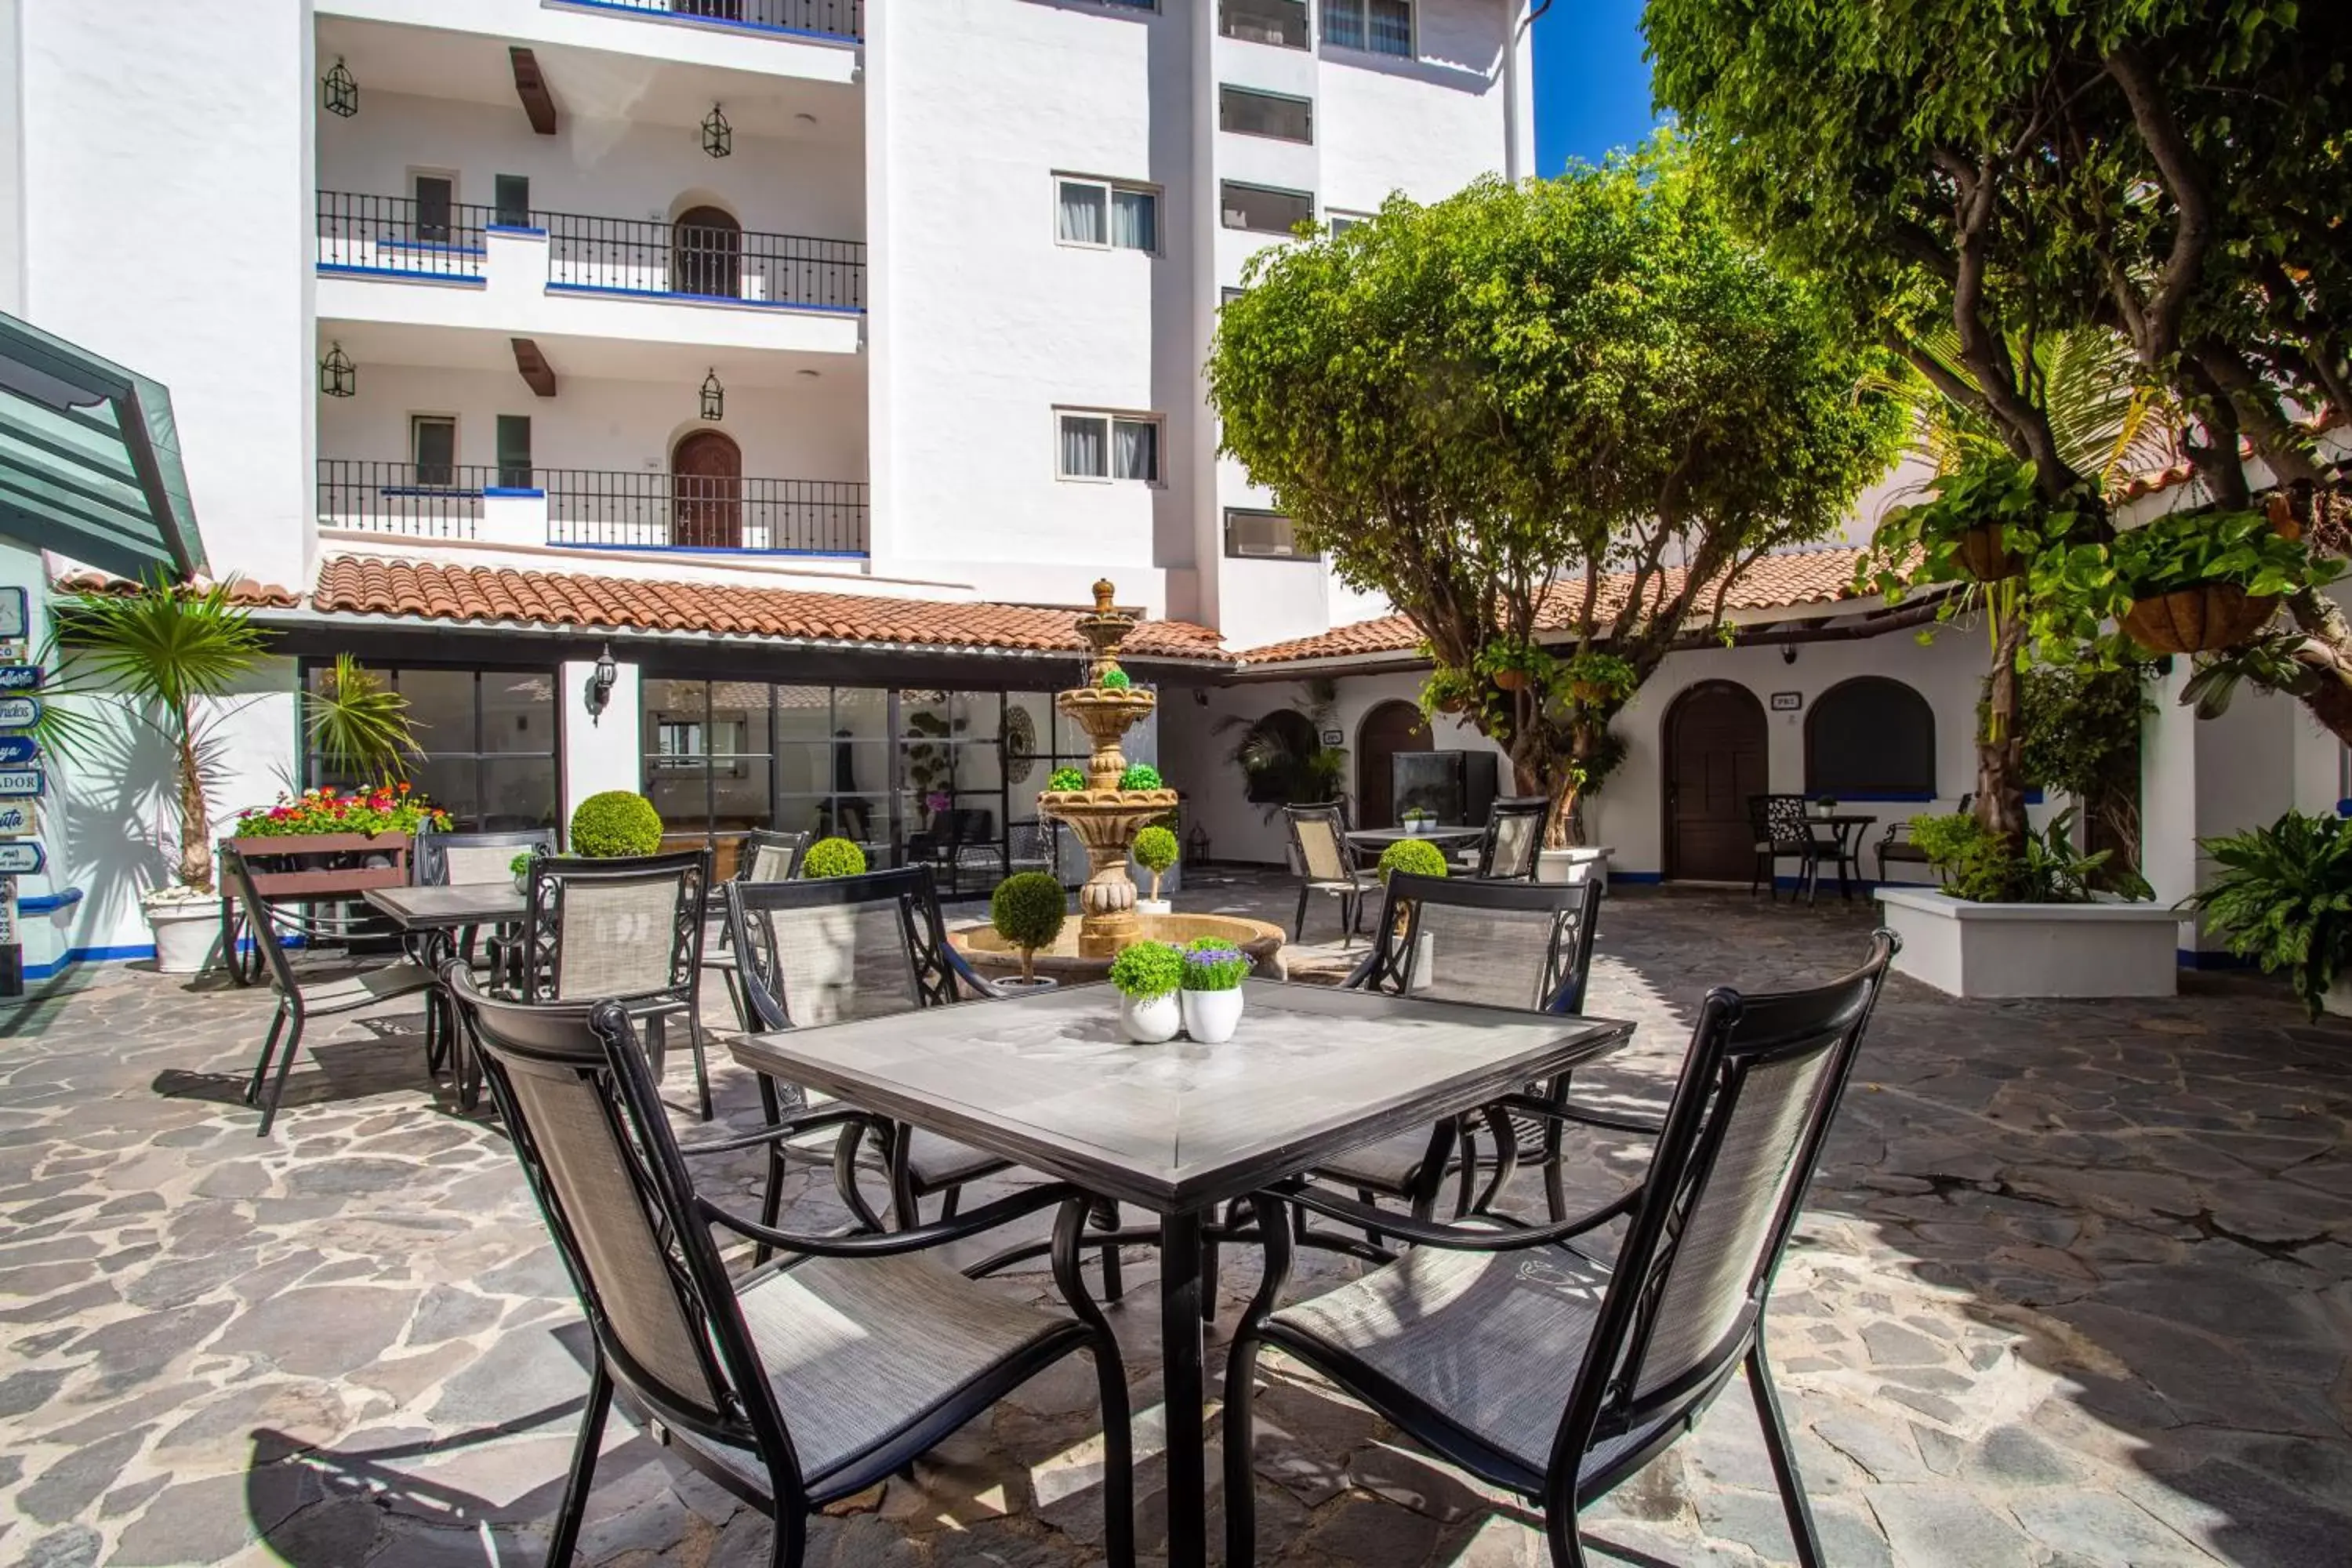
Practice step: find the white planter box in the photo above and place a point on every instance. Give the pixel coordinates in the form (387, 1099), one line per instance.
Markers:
(1580, 863)
(2035, 950)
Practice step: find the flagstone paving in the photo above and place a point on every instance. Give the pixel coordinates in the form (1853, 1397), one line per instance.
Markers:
(2075, 1287)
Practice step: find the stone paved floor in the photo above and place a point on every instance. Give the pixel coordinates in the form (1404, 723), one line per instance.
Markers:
(2075, 1287)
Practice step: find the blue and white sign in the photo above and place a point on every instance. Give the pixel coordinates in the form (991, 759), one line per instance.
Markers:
(17, 749)
(22, 858)
(20, 712)
(15, 816)
(16, 616)
(23, 783)
(20, 677)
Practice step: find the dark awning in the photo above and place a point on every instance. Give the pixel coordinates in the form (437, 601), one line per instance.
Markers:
(89, 460)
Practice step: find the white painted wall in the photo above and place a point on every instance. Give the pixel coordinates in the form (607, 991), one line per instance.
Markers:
(679, 39)
(147, 125)
(600, 753)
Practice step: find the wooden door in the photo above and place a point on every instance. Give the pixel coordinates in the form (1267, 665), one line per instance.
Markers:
(1391, 728)
(1716, 738)
(706, 492)
(707, 254)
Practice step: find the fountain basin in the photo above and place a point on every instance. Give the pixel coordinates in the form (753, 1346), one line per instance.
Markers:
(994, 957)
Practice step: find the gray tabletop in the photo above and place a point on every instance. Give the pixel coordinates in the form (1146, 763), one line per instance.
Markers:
(442, 909)
(1382, 837)
(1048, 1080)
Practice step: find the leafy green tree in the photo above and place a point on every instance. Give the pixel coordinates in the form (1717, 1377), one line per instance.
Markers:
(1486, 407)
(2173, 171)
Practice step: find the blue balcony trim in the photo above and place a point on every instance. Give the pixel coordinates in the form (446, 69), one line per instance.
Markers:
(526, 231)
(42, 903)
(405, 275)
(522, 492)
(716, 550)
(676, 297)
(723, 23)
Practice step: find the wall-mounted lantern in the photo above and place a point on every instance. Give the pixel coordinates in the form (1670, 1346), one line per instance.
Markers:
(718, 136)
(599, 683)
(340, 92)
(714, 397)
(338, 376)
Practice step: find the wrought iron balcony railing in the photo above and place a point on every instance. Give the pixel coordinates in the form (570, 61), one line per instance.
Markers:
(835, 19)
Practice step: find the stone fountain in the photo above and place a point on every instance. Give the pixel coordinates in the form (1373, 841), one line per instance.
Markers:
(1106, 819)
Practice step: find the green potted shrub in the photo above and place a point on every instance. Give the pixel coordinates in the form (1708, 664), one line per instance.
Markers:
(615, 823)
(1139, 775)
(520, 867)
(1027, 910)
(1415, 857)
(1147, 976)
(1211, 989)
(834, 858)
(1155, 851)
(1064, 779)
(2284, 898)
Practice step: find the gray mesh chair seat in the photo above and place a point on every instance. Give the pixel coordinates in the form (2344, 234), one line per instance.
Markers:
(1512, 845)
(1513, 1352)
(1319, 852)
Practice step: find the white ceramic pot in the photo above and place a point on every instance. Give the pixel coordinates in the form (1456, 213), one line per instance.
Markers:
(2338, 999)
(1211, 1017)
(1034, 983)
(1148, 1020)
(187, 932)
(1424, 961)
(1154, 906)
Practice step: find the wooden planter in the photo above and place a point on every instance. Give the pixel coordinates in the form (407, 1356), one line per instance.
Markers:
(2201, 620)
(1986, 557)
(324, 865)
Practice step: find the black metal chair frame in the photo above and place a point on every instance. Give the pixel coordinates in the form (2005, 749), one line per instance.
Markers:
(430, 869)
(1896, 842)
(1351, 898)
(1734, 1037)
(596, 1040)
(294, 1009)
(1768, 816)
(1505, 808)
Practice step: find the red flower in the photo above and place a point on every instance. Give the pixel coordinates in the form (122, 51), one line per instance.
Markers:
(404, 787)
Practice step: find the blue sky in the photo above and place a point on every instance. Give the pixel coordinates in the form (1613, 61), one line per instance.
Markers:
(1592, 87)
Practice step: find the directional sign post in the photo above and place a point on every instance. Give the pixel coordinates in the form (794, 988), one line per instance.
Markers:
(21, 857)
(17, 817)
(23, 783)
(20, 712)
(20, 677)
(15, 614)
(15, 750)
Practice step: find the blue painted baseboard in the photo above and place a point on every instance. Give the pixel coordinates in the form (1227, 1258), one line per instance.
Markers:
(2197, 958)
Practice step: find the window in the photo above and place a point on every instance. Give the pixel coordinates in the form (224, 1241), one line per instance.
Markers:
(435, 195)
(487, 740)
(1113, 217)
(1282, 23)
(1247, 114)
(1871, 738)
(1227, 296)
(1253, 534)
(1377, 26)
(514, 451)
(1109, 447)
(432, 447)
(1264, 208)
(1342, 222)
(510, 194)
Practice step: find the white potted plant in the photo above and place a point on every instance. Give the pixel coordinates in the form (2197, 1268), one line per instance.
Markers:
(1211, 990)
(1147, 976)
(1417, 819)
(1155, 851)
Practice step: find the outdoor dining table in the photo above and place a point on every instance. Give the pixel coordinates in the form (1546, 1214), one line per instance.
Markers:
(435, 913)
(1444, 837)
(1846, 828)
(1047, 1079)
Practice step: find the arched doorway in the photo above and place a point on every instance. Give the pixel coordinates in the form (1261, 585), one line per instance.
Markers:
(707, 254)
(706, 509)
(1391, 728)
(1715, 759)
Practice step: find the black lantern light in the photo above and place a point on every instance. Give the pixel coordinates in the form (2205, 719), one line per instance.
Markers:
(600, 682)
(338, 376)
(718, 136)
(714, 397)
(341, 93)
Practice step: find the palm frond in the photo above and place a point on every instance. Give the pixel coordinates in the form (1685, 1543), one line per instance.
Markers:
(360, 726)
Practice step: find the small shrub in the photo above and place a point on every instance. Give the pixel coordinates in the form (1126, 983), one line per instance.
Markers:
(2284, 898)
(520, 864)
(1414, 858)
(1155, 851)
(1147, 969)
(1066, 779)
(1212, 963)
(1027, 910)
(1139, 775)
(1115, 680)
(833, 858)
(613, 824)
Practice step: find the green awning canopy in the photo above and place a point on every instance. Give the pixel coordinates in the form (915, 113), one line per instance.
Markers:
(89, 460)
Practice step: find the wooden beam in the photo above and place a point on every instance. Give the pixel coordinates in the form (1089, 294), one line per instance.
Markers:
(531, 88)
(532, 365)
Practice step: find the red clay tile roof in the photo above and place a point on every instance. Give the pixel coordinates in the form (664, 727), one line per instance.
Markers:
(1776, 582)
(2152, 480)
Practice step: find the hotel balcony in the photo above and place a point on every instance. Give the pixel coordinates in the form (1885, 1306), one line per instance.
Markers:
(587, 509)
(814, 39)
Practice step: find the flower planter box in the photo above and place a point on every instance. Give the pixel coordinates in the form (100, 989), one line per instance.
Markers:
(2106, 949)
(276, 859)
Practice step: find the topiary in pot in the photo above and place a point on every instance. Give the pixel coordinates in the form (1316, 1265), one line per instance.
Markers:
(1066, 779)
(1139, 775)
(1147, 974)
(615, 824)
(833, 858)
(1155, 851)
(1414, 858)
(1027, 910)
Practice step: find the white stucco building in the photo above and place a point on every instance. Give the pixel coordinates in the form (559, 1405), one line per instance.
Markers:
(812, 357)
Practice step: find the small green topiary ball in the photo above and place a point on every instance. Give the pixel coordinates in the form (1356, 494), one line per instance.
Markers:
(1414, 857)
(613, 824)
(833, 858)
(1066, 778)
(1116, 680)
(1155, 849)
(1027, 909)
(1139, 775)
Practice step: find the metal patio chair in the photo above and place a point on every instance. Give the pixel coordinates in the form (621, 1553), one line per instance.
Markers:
(627, 929)
(1320, 854)
(1517, 1355)
(1782, 833)
(762, 855)
(297, 1004)
(795, 1385)
(472, 859)
(1514, 839)
(1895, 844)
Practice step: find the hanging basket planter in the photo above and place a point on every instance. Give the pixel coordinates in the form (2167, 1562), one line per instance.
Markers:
(1986, 557)
(1510, 680)
(2199, 619)
(1587, 692)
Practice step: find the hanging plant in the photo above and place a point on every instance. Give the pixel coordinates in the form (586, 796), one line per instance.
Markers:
(2199, 583)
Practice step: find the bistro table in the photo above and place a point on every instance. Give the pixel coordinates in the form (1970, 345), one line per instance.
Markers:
(1444, 837)
(1847, 830)
(1047, 1081)
(436, 914)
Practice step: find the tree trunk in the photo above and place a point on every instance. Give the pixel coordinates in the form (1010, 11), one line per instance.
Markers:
(2326, 686)
(2000, 748)
(196, 821)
